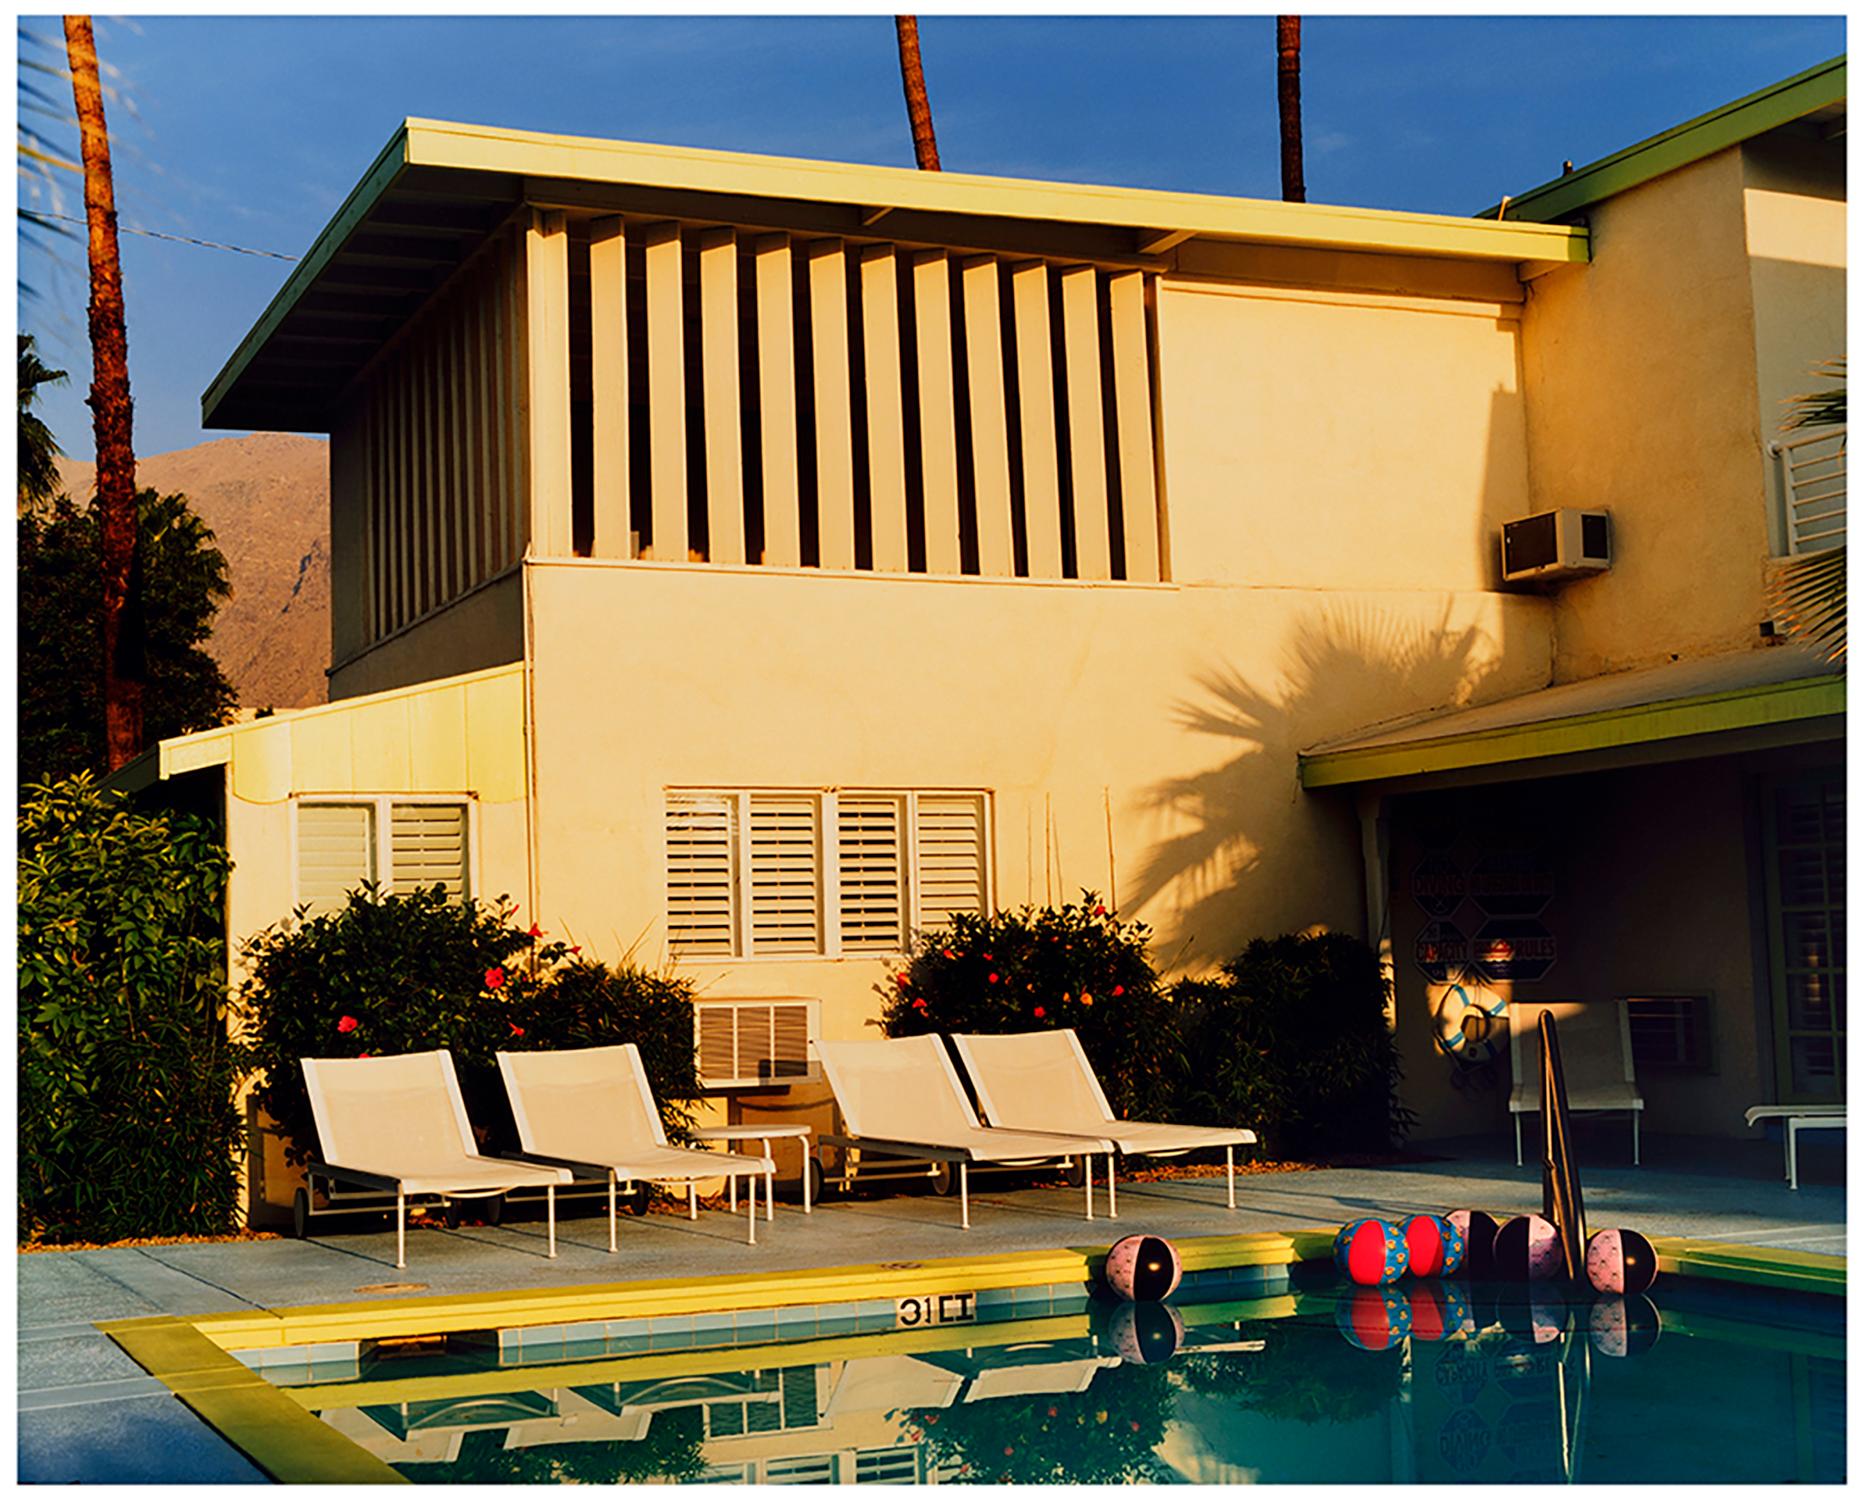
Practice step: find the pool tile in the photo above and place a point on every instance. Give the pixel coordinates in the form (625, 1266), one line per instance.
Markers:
(756, 1325)
(712, 1328)
(591, 1348)
(629, 1343)
(795, 1320)
(833, 1320)
(582, 1333)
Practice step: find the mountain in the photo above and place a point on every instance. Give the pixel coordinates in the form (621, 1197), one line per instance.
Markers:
(267, 499)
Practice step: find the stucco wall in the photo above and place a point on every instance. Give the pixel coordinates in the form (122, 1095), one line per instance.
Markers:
(1642, 399)
(1181, 708)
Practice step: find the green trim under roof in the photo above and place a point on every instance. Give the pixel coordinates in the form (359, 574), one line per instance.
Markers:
(1614, 728)
(1778, 104)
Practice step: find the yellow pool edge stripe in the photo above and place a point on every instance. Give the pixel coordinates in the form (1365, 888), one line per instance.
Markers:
(282, 1439)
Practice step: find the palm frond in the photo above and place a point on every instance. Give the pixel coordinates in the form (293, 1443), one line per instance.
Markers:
(1809, 599)
(1818, 408)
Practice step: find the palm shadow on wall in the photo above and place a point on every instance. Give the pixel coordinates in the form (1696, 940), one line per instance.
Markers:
(1217, 881)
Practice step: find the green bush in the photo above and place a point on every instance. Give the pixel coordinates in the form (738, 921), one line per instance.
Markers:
(126, 1075)
(390, 973)
(1292, 1039)
(1043, 967)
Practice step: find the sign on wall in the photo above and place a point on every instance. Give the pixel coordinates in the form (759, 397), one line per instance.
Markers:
(1514, 950)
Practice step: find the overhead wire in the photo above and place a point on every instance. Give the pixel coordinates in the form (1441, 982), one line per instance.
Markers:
(156, 234)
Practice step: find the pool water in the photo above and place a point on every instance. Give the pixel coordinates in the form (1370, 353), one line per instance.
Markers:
(1438, 1382)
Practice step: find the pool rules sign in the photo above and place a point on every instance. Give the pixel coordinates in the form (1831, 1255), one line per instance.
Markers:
(1506, 942)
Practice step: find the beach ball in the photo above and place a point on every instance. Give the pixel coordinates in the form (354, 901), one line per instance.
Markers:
(1620, 1261)
(1478, 1232)
(1145, 1333)
(1143, 1268)
(1434, 1245)
(1623, 1327)
(1373, 1317)
(1439, 1310)
(1370, 1252)
(1527, 1248)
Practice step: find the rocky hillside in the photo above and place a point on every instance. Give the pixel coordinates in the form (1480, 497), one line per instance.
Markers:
(267, 498)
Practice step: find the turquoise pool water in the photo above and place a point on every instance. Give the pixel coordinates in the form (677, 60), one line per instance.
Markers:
(1699, 1383)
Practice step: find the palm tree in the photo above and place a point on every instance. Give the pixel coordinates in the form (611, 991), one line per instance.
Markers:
(1288, 95)
(1809, 594)
(918, 107)
(38, 476)
(109, 402)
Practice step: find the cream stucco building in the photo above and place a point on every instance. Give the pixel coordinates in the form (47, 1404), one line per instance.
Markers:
(744, 561)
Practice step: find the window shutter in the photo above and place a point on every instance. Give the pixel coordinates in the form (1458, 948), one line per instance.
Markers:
(702, 916)
(786, 884)
(950, 833)
(873, 893)
(427, 846)
(336, 852)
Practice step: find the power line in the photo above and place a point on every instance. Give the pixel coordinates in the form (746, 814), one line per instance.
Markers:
(154, 234)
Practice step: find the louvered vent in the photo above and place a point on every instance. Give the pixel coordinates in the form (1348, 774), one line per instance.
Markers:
(428, 846)
(336, 852)
(873, 890)
(702, 915)
(745, 1043)
(951, 857)
(786, 880)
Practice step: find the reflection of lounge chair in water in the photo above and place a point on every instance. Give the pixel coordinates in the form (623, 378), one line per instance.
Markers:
(1042, 1080)
(1052, 1368)
(891, 1382)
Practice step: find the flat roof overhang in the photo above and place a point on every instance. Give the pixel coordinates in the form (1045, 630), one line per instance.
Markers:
(438, 190)
(1716, 705)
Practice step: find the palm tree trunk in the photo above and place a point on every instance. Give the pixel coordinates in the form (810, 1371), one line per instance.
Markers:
(1288, 94)
(918, 107)
(109, 402)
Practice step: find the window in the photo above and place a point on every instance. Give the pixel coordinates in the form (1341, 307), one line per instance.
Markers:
(759, 873)
(405, 844)
(1804, 822)
(1669, 1033)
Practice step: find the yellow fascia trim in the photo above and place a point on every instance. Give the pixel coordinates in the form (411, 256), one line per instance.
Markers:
(526, 153)
(1615, 728)
(182, 753)
(409, 1316)
(255, 1416)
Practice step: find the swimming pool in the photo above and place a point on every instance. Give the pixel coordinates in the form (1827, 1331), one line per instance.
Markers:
(1299, 1380)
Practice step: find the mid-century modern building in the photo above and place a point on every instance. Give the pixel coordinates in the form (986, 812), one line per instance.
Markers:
(744, 562)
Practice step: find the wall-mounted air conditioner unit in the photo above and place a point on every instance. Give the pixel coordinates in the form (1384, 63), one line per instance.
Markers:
(1556, 544)
(759, 1043)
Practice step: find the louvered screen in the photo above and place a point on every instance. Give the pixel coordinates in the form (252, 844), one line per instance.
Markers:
(742, 1043)
(427, 846)
(786, 884)
(336, 852)
(702, 916)
(873, 870)
(950, 836)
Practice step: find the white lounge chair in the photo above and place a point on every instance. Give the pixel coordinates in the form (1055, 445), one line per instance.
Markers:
(902, 1098)
(1797, 1117)
(398, 1125)
(1595, 1056)
(592, 1111)
(1042, 1080)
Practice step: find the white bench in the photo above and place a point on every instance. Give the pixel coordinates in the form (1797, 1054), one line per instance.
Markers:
(1798, 1117)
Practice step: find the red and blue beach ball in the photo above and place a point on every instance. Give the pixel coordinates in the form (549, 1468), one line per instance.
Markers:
(1435, 1245)
(1371, 1252)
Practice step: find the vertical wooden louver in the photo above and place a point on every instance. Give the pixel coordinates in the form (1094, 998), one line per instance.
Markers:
(702, 905)
(427, 847)
(786, 874)
(872, 873)
(949, 836)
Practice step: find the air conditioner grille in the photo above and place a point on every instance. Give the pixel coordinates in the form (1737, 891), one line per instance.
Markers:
(743, 1044)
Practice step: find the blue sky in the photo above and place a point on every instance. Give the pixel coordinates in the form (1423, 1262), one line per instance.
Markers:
(252, 131)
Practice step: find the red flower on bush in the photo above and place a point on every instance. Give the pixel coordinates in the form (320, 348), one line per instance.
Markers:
(1100, 911)
(1118, 990)
(494, 979)
(362, 1055)
(920, 1003)
(516, 1029)
(902, 977)
(535, 931)
(347, 1024)
(1088, 1001)
(948, 953)
(993, 978)
(1040, 1013)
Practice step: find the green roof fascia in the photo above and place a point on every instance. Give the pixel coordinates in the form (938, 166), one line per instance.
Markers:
(1777, 104)
(376, 181)
(1616, 728)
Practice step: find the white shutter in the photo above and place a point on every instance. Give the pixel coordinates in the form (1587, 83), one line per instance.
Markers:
(950, 866)
(868, 838)
(743, 1043)
(786, 884)
(702, 915)
(336, 852)
(427, 846)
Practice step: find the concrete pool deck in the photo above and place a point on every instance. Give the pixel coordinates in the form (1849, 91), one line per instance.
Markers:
(87, 1412)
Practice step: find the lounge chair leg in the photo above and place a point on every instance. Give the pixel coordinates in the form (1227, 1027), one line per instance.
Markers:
(1636, 1159)
(550, 1213)
(731, 1192)
(1229, 1167)
(770, 1198)
(692, 1199)
(611, 1213)
(1087, 1175)
(808, 1161)
(401, 1230)
(750, 1204)
(1517, 1140)
(1113, 1201)
(964, 1193)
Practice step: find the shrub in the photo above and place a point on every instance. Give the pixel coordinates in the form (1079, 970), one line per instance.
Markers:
(1292, 1040)
(412, 972)
(1045, 967)
(126, 1075)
